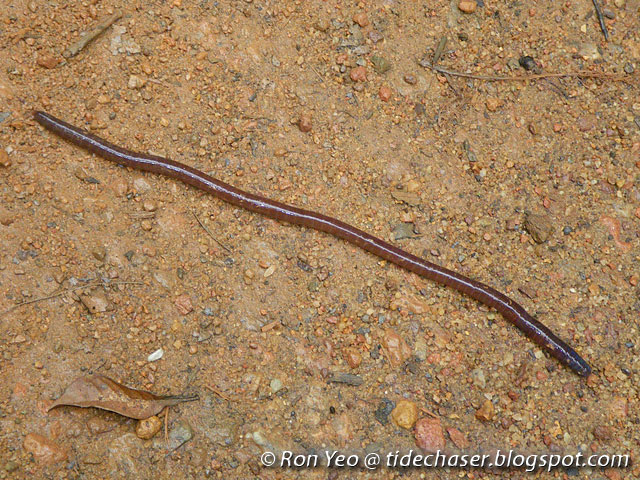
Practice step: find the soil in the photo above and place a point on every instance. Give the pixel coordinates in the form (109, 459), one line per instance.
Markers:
(294, 340)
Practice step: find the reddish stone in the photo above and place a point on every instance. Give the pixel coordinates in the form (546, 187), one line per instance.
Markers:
(45, 451)
(385, 93)
(458, 438)
(358, 74)
(428, 434)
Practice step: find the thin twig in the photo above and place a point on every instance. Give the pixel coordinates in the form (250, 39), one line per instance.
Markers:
(166, 426)
(90, 35)
(142, 215)
(316, 72)
(559, 90)
(210, 234)
(159, 82)
(521, 78)
(69, 290)
(603, 26)
(429, 412)
(439, 49)
(218, 392)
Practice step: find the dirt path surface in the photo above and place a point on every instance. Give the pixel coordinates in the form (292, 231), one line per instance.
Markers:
(294, 340)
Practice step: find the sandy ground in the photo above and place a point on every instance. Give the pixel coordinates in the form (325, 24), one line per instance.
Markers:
(530, 186)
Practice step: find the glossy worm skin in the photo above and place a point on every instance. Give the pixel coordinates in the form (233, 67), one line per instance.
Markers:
(509, 309)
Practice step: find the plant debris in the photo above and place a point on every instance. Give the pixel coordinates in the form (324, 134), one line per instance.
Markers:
(102, 392)
(88, 36)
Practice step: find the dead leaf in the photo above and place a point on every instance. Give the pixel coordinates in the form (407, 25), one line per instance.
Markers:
(102, 392)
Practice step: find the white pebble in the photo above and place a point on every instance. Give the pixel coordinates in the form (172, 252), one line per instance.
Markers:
(157, 355)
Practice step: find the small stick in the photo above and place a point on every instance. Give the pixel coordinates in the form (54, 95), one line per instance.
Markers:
(603, 26)
(316, 72)
(166, 425)
(428, 412)
(520, 78)
(210, 234)
(270, 326)
(90, 35)
(54, 295)
(218, 392)
(439, 50)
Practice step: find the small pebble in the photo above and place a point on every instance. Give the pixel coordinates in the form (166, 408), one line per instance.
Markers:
(410, 79)
(477, 375)
(603, 433)
(304, 123)
(493, 104)
(405, 414)
(276, 385)
(384, 93)
(486, 412)
(589, 51)
(397, 349)
(148, 427)
(358, 74)
(183, 304)
(155, 356)
(428, 435)
(95, 302)
(322, 25)
(404, 230)
(44, 451)
(136, 82)
(47, 61)
(352, 357)
(458, 438)
(467, 6)
(5, 161)
(99, 253)
(149, 206)
(120, 187)
(385, 407)
(527, 62)
(141, 185)
(6, 217)
(380, 64)
(539, 226)
(375, 36)
(619, 407)
(361, 19)
(420, 349)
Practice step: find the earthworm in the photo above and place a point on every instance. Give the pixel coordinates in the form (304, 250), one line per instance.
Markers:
(507, 307)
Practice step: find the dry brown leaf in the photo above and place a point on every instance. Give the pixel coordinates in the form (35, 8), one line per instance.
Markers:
(102, 392)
